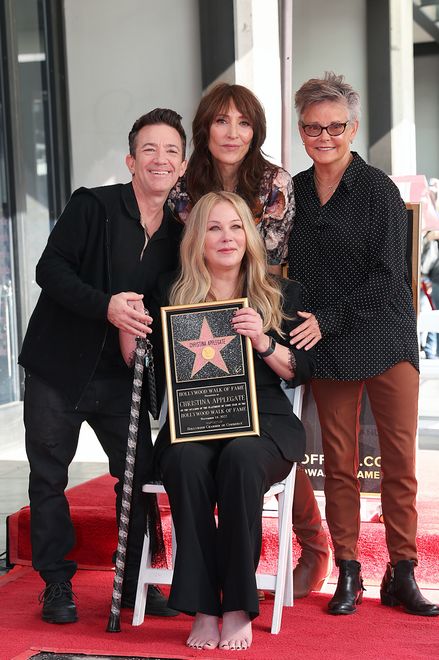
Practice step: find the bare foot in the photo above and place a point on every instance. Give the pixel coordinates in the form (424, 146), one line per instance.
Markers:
(204, 633)
(236, 633)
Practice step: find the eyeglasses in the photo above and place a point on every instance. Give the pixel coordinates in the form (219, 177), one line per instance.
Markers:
(334, 129)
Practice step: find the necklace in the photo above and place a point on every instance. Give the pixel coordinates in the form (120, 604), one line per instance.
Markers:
(324, 186)
(146, 241)
(327, 189)
(223, 295)
(146, 233)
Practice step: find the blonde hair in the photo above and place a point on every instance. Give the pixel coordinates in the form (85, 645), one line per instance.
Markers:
(194, 283)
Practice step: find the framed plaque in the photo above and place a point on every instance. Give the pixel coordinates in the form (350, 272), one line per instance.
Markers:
(209, 373)
(413, 250)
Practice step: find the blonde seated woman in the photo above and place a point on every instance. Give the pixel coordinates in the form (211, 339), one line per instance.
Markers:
(223, 257)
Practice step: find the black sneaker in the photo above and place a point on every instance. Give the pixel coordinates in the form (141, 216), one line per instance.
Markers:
(156, 602)
(58, 605)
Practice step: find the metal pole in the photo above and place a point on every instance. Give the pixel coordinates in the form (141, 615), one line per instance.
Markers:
(130, 461)
(286, 35)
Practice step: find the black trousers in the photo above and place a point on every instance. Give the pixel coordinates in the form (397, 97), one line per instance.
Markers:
(52, 432)
(215, 566)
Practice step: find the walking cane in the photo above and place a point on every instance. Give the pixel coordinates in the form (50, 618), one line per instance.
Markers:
(143, 357)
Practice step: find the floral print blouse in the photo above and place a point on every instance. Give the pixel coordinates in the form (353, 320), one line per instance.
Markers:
(273, 212)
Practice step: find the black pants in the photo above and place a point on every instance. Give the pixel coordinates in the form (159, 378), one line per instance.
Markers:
(215, 566)
(52, 432)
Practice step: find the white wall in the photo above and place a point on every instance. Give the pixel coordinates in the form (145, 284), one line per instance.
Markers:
(257, 64)
(330, 36)
(427, 115)
(124, 59)
(154, 60)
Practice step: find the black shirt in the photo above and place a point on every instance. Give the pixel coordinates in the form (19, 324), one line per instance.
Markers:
(134, 266)
(350, 256)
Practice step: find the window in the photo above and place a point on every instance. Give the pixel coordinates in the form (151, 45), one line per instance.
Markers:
(34, 163)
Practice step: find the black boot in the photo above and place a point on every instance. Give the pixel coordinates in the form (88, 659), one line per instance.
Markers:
(58, 605)
(399, 588)
(349, 592)
(156, 601)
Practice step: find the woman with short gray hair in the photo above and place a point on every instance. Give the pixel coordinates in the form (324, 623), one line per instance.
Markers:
(348, 247)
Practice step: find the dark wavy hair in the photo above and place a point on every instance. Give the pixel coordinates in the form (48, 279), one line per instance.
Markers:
(157, 116)
(202, 175)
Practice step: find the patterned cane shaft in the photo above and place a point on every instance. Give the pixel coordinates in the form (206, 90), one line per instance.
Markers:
(127, 490)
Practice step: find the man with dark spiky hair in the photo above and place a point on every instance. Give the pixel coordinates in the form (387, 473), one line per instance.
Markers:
(103, 256)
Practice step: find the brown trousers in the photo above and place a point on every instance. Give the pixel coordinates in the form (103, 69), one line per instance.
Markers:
(393, 397)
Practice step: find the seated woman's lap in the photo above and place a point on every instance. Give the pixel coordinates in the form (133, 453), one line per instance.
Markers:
(233, 474)
(257, 458)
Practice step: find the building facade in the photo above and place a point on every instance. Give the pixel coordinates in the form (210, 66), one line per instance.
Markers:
(75, 74)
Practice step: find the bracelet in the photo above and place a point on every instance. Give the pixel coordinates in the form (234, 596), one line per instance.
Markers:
(270, 349)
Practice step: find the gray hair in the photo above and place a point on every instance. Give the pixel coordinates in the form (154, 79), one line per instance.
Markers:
(329, 88)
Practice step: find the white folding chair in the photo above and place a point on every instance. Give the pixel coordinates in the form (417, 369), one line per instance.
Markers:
(281, 582)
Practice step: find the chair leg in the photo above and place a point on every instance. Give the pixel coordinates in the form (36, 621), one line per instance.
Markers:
(284, 562)
(289, 584)
(142, 586)
(279, 592)
(289, 591)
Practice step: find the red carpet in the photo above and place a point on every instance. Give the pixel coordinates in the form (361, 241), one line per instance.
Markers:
(374, 632)
(92, 509)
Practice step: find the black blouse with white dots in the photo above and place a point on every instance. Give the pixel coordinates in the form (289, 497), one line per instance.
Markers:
(350, 256)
